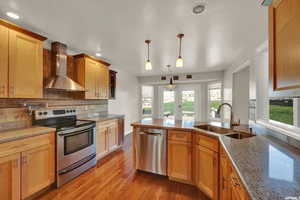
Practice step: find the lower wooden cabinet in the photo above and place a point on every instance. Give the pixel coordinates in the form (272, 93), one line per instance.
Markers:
(10, 171)
(106, 137)
(37, 169)
(207, 167)
(180, 160)
(26, 167)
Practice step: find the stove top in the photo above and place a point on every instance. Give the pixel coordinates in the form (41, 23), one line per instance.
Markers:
(62, 119)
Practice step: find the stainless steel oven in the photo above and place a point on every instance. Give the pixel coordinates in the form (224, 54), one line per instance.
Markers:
(74, 145)
(75, 142)
(76, 152)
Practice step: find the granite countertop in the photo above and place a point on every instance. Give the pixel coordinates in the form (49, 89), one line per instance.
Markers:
(16, 134)
(99, 118)
(269, 168)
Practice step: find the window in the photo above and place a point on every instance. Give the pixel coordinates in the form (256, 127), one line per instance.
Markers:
(284, 111)
(214, 99)
(147, 101)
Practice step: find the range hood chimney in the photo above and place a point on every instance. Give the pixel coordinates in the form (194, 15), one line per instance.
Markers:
(61, 81)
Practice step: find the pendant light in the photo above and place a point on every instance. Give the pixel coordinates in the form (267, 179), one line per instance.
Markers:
(148, 65)
(179, 61)
(171, 85)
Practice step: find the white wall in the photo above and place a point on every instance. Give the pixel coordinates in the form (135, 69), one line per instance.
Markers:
(127, 98)
(240, 98)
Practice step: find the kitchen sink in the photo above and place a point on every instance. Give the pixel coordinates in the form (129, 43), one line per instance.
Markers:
(240, 136)
(214, 129)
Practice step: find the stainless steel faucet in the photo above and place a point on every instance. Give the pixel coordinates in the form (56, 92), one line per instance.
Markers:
(231, 114)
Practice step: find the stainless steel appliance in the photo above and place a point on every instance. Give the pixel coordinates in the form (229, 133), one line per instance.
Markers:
(151, 150)
(75, 142)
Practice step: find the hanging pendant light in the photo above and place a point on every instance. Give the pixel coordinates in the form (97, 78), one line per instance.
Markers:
(179, 61)
(148, 65)
(171, 85)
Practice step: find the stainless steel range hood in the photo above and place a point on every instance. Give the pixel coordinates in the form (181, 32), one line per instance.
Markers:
(61, 81)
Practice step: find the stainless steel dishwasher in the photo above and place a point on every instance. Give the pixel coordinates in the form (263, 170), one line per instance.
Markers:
(151, 150)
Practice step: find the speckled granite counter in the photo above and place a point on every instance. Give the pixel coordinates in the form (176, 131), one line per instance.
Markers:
(16, 134)
(100, 118)
(269, 168)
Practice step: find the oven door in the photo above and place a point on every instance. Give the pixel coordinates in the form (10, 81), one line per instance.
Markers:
(75, 145)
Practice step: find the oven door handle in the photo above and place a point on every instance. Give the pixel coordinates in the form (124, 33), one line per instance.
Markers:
(75, 132)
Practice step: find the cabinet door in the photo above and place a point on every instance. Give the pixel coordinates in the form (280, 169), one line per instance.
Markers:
(25, 66)
(207, 171)
(3, 62)
(180, 160)
(37, 169)
(90, 79)
(112, 135)
(225, 189)
(104, 82)
(10, 177)
(284, 30)
(101, 142)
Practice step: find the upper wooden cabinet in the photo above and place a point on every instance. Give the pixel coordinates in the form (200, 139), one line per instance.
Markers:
(21, 62)
(93, 74)
(284, 45)
(3, 61)
(112, 84)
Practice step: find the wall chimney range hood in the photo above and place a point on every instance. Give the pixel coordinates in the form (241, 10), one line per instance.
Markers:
(59, 62)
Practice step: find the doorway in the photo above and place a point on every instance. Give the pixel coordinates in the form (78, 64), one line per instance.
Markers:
(180, 103)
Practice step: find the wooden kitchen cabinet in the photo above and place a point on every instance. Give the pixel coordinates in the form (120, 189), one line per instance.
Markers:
(225, 171)
(93, 75)
(10, 187)
(21, 62)
(106, 137)
(3, 61)
(38, 167)
(284, 44)
(112, 84)
(207, 167)
(180, 161)
(27, 166)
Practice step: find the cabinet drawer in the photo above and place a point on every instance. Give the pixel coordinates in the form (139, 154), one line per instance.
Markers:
(208, 142)
(106, 124)
(26, 144)
(182, 136)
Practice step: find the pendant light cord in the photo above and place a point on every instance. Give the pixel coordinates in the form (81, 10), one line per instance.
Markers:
(148, 51)
(180, 47)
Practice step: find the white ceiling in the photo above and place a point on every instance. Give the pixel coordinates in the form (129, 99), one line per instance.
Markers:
(227, 31)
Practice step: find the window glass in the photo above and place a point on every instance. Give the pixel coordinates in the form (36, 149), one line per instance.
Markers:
(282, 110)
(147, 101)
(214, 99)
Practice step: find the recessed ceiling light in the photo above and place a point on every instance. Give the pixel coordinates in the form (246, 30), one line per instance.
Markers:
(98, 54)
(13, 15)
(198, 9)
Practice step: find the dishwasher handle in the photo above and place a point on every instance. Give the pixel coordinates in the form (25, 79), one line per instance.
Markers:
(149, 133)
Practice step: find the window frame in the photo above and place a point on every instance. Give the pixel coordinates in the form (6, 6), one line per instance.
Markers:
(208, 100)
(152, 102)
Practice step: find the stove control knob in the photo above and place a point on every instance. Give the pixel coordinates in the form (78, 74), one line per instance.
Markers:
(45, 113)
(40, 113)
(74, 110)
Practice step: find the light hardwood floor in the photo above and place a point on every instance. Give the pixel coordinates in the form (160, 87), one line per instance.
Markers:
(114, 178)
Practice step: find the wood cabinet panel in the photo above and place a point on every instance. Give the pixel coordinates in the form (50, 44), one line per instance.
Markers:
(180, 160)
(103, 83)
(37, 169)
(225, 171)
(112, 131)
(207, 175)
(182, 136)
(90, 79)
(284, 44)
(208, 142)
(3, 62)
(101, 142)
(25, 66)
(10, 177)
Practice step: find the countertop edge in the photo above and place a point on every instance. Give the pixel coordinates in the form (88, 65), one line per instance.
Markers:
(44, 130)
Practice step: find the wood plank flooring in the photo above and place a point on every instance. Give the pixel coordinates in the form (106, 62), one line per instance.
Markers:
(115, 178)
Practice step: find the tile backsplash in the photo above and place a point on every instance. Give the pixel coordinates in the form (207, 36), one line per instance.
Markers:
(13, 113)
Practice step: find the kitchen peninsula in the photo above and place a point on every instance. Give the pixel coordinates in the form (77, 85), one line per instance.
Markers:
(221, 165)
